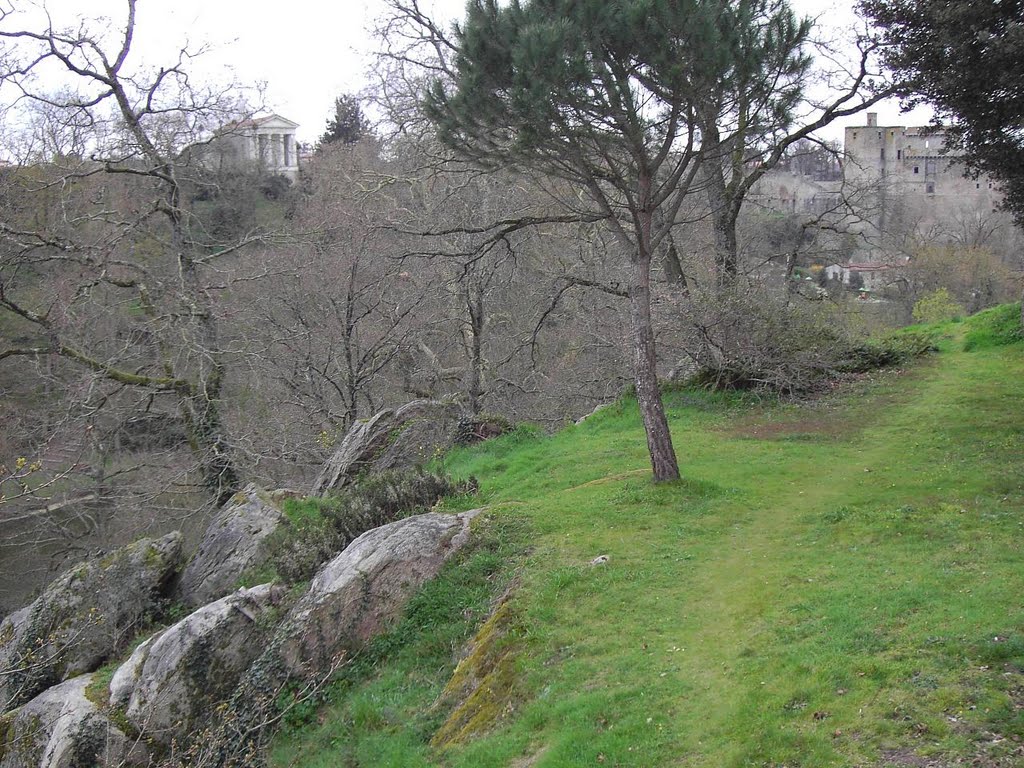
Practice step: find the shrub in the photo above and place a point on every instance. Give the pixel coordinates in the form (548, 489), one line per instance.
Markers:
(936, 307)
(893, 349)
(473, 429)
(274, 187)
(752, 339)
(318, 529)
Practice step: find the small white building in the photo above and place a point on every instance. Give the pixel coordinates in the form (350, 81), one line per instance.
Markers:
(872, 276)
(265, 143)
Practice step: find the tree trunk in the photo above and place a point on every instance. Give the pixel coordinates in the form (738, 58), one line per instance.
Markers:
(200, 405)
(723, 212)
(724, 226)
(475, 306)
(208, 438)
(645, 375)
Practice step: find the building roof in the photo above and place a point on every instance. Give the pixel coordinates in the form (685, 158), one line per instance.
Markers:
(262, 121)
(868, 266)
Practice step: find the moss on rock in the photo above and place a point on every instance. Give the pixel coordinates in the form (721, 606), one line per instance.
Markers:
(485, 686)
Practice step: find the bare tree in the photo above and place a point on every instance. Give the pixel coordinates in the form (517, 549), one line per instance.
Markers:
(109, 224)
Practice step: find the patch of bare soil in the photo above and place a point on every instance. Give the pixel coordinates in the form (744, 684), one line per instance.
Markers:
(898, 758)
(846, 408)
(990, 749)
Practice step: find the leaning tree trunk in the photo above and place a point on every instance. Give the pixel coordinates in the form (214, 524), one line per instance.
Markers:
(645, 376)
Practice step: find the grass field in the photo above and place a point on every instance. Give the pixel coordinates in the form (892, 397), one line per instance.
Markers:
(835, 583)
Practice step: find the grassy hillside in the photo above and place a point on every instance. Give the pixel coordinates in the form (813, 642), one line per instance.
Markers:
(839, 583)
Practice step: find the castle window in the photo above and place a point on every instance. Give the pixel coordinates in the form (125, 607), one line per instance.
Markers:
(899, 154)
(855, 135)
(929, 187)
(917, 169)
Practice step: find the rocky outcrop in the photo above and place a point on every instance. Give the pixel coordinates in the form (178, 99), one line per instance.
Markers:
(233, 543)
(357, 593)
(83, 617)
(62, 728)
(173, 680)
(406, 436)
(352, 597)
(597, 410)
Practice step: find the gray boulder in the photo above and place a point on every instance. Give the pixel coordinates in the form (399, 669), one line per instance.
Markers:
(402, 437)
(62, 728)
(85, 616)
(352, 597)
(171, 682)
(234, 542)
(355, 595)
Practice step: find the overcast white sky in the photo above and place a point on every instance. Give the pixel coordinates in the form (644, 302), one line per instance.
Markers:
(307, 51)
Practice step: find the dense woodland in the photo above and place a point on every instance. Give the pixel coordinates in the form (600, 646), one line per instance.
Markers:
(170, 331)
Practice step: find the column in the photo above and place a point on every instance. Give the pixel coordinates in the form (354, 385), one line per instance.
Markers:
(275, 142)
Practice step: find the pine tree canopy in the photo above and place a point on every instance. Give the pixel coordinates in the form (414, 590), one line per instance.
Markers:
(596, 90)
(626, 100)
(348, 125)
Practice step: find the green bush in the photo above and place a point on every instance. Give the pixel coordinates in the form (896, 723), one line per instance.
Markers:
(936, 307)
(994, 327)
(893, 349)
(319, 528)
(750, 338)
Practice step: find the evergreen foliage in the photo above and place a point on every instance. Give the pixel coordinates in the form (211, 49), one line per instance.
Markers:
(619, 99)
(348, 124)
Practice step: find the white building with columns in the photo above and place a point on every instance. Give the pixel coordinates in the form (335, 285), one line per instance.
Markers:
(265, 143)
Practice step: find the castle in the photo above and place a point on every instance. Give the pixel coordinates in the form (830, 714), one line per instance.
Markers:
(912, 178)
(889, 187)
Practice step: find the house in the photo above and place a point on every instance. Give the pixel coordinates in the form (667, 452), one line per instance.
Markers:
(870, 276)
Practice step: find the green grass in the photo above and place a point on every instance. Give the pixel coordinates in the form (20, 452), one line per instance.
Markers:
(994, 327)
(833, 584)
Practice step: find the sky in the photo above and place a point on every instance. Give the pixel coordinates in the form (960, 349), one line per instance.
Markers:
(307, 52)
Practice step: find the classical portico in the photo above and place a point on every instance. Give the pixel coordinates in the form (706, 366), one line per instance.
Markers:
(269, 141)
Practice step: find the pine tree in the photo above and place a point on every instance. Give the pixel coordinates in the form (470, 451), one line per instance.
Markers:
(611, 96)
(348, 125)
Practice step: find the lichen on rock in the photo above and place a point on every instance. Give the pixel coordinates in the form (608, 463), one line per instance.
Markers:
(172, 681)
(62, 728)
(485, 686)
(234, 541)
(84, 617)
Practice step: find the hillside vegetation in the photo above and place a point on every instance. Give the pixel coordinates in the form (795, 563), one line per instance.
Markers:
(834, 583)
